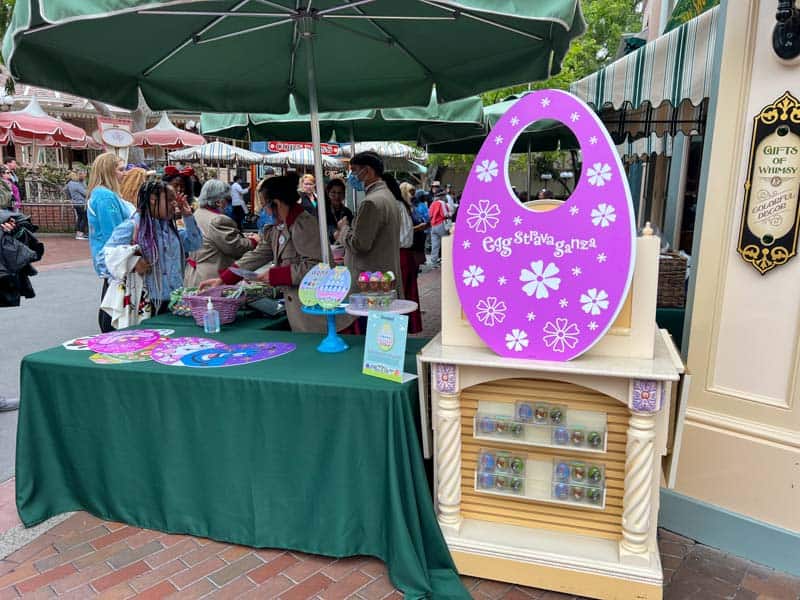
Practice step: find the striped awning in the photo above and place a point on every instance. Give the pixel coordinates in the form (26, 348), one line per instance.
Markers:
(642, 148)
(217, 152)
(673, 68)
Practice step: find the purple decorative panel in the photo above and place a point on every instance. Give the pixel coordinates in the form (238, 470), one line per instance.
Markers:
(645, 396)
(445, 378)
(544, 285)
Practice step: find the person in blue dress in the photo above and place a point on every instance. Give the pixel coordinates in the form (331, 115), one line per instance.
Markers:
(105, 209)
(162, 245)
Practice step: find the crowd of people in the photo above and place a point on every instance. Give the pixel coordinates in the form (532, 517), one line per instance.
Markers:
(170, 231)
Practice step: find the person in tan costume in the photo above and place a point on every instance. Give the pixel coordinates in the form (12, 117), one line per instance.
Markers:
(223, 243)
(293, 248)
(372, 243)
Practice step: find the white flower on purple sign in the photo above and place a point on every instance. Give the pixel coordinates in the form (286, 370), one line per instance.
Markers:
(483, 215)
(498, 139)
(517, 340)
(487, 170)
(473, 276)
(560, 335)
(599, 173)
(603, 215)
(540, 278)
(491, 311)
(593, 301)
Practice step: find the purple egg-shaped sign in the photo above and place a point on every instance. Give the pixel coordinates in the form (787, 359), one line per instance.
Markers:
(544, 285)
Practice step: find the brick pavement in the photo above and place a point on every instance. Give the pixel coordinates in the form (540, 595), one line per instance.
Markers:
(62, 251)
(85, 557)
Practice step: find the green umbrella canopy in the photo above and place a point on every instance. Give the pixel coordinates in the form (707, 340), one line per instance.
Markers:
(541, 136)
(251, 55)
(458, 118)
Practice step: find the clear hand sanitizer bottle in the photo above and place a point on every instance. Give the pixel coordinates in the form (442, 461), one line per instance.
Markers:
(211, 319)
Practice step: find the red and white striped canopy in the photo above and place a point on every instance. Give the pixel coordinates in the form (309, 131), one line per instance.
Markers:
(166, 135)
(32, 125)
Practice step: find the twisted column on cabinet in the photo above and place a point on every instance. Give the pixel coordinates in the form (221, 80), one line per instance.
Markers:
(637, 502)
(448, 447)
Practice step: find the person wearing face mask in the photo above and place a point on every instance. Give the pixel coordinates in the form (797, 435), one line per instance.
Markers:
(162, 246)
(372, 243)
(291, 245)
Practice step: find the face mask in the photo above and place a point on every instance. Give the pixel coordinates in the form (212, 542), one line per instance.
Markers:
(355, 182)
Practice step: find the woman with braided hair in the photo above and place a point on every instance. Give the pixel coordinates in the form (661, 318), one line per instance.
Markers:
(162, 246)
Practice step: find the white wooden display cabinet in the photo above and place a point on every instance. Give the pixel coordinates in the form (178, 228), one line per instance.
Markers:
(526, 533)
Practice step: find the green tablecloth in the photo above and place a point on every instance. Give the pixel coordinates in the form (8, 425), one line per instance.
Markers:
(299, 452)
(245, 320)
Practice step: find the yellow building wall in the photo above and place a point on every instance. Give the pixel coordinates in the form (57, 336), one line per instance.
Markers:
(740, 446)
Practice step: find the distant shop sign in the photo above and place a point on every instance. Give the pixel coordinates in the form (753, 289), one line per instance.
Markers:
(327, 149)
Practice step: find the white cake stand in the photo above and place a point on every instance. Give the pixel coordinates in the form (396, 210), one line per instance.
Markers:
(398, 307)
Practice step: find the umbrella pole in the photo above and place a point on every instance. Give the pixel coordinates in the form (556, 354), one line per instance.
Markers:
(529, 169)
(322, 214)
(352, 152)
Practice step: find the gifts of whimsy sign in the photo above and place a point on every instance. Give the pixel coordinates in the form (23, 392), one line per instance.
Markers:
(544, 285)
(770, 215)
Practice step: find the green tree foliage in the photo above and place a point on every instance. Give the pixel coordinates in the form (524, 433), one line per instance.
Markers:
(686, 10)
(6, 10)
(606, 21)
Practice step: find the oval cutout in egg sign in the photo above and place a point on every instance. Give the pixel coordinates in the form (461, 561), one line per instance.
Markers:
(545, 285)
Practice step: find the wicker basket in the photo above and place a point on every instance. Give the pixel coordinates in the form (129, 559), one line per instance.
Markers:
(226, 307)
(671, 280)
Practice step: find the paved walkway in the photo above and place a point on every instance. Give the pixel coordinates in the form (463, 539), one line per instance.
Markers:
(85, 557)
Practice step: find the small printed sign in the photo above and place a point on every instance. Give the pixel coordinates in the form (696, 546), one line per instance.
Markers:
(327, 149)
(770, 215)
(385, 345)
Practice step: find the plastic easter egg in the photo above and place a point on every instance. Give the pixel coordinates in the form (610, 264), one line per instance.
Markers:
(544, 285)
(308, 286)
(386, 337)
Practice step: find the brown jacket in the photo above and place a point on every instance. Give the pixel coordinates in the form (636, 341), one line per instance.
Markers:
(223, 243)
(373, 241)
(297, 247)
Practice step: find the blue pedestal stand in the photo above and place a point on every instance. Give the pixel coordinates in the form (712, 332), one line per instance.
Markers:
(332, 342)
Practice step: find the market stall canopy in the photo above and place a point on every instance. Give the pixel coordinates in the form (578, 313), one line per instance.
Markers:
(458, 118)
(385, 150)
(299, 158)
(217, 152)
(32, 124)
(660, 88)
(166, 135)
(196, 50)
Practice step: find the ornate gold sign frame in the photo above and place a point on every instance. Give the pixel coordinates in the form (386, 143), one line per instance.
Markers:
(770, 215)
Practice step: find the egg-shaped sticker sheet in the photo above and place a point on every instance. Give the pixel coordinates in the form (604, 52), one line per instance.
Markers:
(544, 285)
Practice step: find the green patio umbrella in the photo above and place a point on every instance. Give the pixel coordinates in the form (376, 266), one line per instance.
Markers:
(252, 55)
(458, 118)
